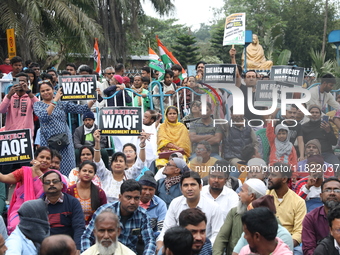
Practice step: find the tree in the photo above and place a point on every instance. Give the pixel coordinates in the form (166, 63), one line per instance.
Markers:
(185, 51)
(36, 22)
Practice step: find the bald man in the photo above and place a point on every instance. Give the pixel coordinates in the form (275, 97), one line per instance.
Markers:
(58, 245)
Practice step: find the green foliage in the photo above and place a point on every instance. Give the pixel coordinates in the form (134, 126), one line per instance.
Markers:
(185, 51)
(320, 66)
(283, 58)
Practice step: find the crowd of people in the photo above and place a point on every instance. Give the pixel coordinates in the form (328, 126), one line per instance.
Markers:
(185, 185)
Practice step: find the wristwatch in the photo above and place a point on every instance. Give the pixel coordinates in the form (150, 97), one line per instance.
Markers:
(28, 91)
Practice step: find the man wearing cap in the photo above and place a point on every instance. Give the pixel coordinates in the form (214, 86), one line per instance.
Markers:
(315, 224)
(169, 188)
(321, 96)
(290, 208)
(155, 207)
(321, 130)
(83, 135)
(117, 85)
(231, 230)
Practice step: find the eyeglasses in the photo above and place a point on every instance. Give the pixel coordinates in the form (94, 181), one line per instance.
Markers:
(200, 149)
(332, 190)
(44, 81)
(216, 177)
(109, 73)
(48, 182)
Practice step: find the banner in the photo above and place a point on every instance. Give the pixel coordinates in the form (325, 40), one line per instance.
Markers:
(288, 74)
(169, 59)
(219, 73)
(120, 120)
(235, 29)
(96, 57)
(78, 87)
(264, 92)
(15, 147)
(11, 45)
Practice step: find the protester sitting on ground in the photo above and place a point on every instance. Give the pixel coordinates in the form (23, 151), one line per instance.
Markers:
(28, 183)
(52, 116)
(138, 88)
(172, 136)
(231, 230)
(195, 113)
(281, 149)
(178, 241)
(159, 175)
(282, 233)
(32, 229)
(155, 207)
(89, 195)
(135, 224)
(64, 211)
(106, 231)
(310, 186)
(315, 225)
(58, 244)
(330, 244)
(112, 180)
(83, 135)
(168, 188)
(312, 147)
(86, 153)
(260, 229)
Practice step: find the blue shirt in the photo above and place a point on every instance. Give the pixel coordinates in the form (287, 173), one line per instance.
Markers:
(138, 219)
(18, 244)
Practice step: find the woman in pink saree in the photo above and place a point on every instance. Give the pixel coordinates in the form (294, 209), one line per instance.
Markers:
(28, 183)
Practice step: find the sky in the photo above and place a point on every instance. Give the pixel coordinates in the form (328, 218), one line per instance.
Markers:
(189, 12)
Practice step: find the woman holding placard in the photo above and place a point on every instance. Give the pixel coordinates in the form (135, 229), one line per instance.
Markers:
(52, 115)
(28, 183)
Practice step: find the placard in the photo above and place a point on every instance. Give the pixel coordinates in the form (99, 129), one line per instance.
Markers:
(78, 87)
(120, 120)
(264, 92)
(218, 74)
(15, 146)
(235, 29)
(288, 74)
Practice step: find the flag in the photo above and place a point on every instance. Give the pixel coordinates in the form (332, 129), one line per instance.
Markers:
(156, 63)
(169, 59)
(96, 57)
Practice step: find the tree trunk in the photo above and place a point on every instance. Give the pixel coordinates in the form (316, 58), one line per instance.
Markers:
(324, 30)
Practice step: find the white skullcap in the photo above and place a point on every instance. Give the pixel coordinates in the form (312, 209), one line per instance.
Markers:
(257, 162)
(257, 185)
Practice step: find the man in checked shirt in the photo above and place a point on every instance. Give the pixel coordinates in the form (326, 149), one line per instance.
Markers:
(135, 224)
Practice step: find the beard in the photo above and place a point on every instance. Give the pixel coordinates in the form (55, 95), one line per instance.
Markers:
(103, 250)
(241, 208)
(331, 204)
(199, 159)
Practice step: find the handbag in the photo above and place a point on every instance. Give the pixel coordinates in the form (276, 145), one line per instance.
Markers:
(58, 141)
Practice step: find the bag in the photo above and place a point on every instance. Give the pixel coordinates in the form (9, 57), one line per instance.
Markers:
(58, 142)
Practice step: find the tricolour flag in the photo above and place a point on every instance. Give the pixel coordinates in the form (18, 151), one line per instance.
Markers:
(169, 59)
(96, 57)
(156, 63)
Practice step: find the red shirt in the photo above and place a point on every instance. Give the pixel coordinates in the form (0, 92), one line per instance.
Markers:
(6, 68)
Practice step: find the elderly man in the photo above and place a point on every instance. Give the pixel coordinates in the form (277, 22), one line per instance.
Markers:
(231, 230)
(108, 73)
(321, 130)
(202, 163)
(315, 224)
(135, 222)
(106, 231)
(58, 244)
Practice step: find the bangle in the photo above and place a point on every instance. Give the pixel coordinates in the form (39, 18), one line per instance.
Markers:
(95, 149)
(28, 91)
(54, 102)
(142, 148)
(52, 105)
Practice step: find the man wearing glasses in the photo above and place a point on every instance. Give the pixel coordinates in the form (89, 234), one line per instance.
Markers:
(315, 225)
(64, 211)
(109, 72)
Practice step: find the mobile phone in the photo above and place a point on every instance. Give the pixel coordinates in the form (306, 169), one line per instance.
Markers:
(135, 232)
(15, 81)
(325, 118)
